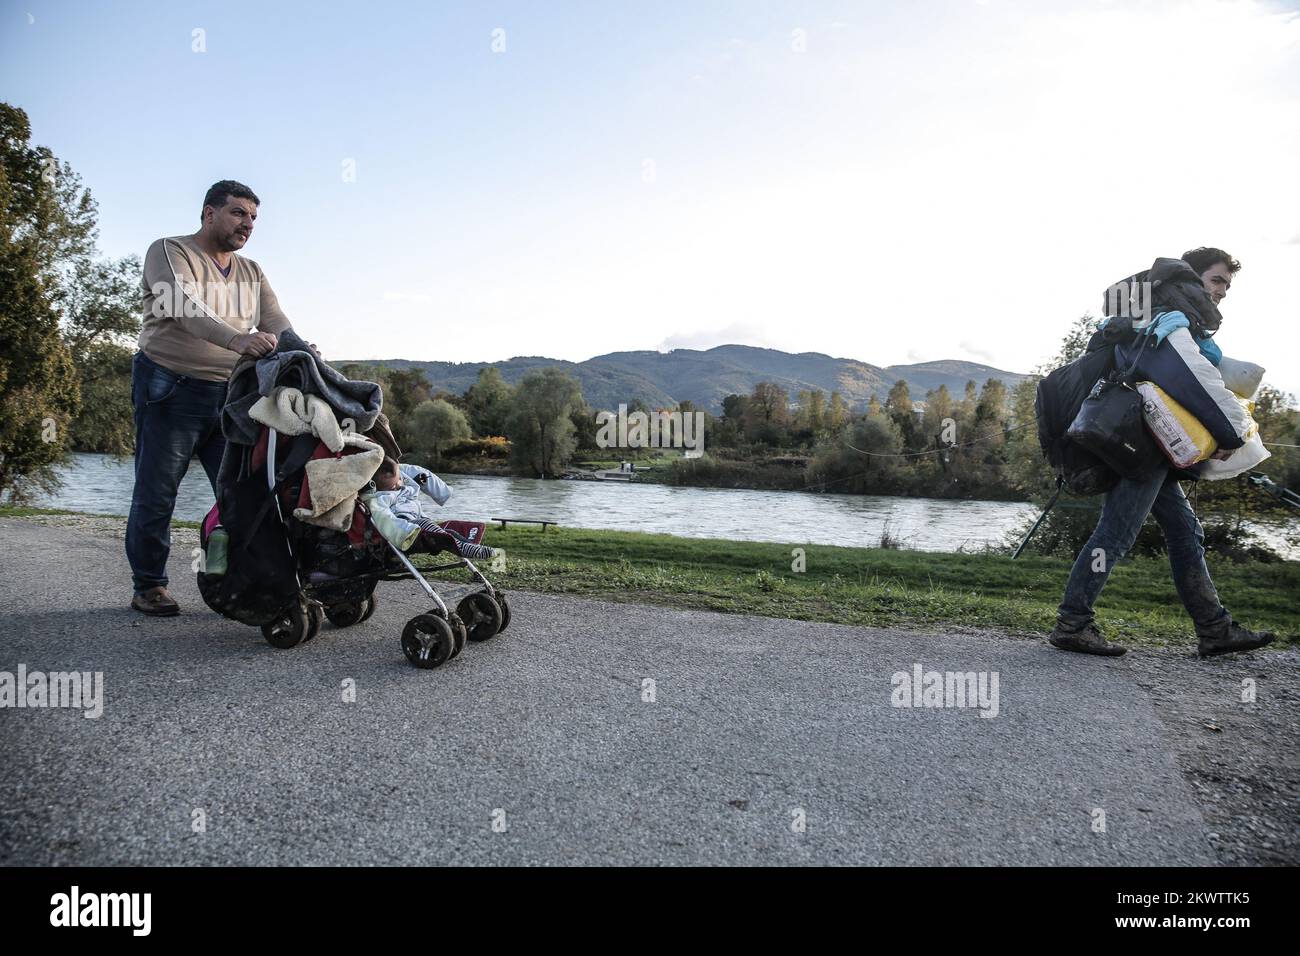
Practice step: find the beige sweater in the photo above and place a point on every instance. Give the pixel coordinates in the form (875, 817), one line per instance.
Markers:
(192, 311)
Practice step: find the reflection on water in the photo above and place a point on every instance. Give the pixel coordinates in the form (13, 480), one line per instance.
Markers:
(101, 483)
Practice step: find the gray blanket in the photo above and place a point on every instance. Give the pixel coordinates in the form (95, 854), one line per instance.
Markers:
(291, 364)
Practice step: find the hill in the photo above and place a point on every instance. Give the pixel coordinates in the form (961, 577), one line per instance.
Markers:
(706, 377)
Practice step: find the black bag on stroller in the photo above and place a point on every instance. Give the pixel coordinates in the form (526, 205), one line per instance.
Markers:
(261, 577)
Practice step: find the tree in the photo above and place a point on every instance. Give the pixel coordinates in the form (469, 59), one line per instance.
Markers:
(964, 411)
(816, 410)
(101, 321)
(734, 407)
(938, 411)
(837, 415)
(991, 408)
(38, 381)
(583, 417)
(767, 414)
(487, 403)
(865, 462)
(812, 412)
(540, 426)
(43, 221)
(768, 403)
(728, 430)
(406, 388)
(898, 405)
(49, 211)
(435, 424)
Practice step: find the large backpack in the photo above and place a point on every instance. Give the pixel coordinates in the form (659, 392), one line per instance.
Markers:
(1057, 402)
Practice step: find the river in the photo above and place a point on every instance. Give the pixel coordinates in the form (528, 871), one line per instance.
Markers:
(102, 484)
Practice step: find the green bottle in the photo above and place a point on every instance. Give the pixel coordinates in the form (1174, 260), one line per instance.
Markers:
(217, 545)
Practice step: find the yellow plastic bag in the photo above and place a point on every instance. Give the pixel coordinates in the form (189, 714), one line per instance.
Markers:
(1182, 438)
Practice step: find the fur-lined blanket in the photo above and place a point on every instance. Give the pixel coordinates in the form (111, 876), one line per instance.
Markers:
(329, 493)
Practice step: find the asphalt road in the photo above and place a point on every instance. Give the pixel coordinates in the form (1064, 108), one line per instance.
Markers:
(538, 747)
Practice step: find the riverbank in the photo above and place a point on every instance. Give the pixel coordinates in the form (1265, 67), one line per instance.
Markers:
(787, 473)
(858, 586)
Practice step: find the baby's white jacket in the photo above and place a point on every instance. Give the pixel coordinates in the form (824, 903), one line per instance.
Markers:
(395, 513)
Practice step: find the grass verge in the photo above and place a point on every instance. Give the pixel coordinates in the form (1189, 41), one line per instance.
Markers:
(880, 587)
(869, 586)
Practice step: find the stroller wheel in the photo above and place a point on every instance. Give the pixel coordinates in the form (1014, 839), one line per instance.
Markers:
(368, 607)
(505, 611)
(345, 615)
(427, 641)
(483, 616)
(315, 618)
(289, 629)
(459, 632)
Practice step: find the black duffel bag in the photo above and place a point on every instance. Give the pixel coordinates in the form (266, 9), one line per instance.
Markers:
(1110, 425)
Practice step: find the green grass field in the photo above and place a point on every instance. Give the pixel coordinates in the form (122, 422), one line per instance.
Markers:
(871, 586)
(880, 587)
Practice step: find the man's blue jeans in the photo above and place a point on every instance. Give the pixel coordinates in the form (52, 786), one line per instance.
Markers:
(1122, 515)
(176, 418)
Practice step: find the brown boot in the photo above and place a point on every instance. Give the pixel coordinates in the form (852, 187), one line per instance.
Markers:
(1230, 637)
(156, 602)
(1085, 641)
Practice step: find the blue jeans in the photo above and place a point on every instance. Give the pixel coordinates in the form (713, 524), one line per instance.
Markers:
(1125, 509)
(176, 418)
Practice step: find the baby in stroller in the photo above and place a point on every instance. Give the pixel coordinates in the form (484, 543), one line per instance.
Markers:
(396, 510)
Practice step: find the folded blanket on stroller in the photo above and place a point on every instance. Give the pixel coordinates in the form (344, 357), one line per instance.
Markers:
(293, 365)
(332, 482)
(290, 412)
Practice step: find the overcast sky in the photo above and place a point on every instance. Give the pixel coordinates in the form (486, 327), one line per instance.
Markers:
(888, 182)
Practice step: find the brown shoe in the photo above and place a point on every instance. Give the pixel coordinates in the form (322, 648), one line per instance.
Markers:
(1232, 637)
(156, 602)
(1085, 641)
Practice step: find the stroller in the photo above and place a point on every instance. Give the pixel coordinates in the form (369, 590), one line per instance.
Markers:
(287, 576)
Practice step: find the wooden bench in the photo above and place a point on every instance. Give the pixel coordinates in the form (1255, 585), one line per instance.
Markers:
(506, 521)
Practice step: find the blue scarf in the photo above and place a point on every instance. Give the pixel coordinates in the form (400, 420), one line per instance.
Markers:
(1165, 322)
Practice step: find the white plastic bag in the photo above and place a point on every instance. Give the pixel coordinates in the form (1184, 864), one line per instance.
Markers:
(1245, 458)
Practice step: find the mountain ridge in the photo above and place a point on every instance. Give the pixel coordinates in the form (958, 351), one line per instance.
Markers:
(705, 377)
